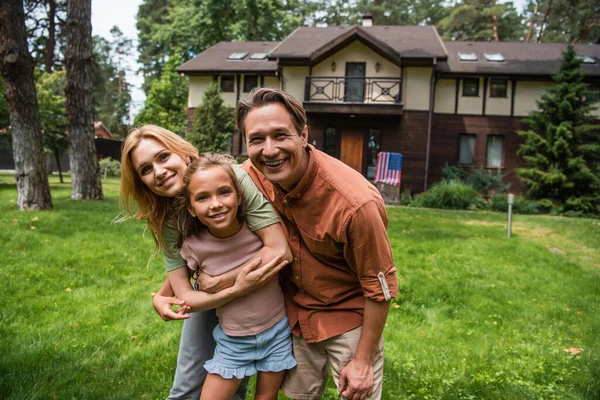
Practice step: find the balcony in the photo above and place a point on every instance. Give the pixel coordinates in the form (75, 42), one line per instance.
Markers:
(354, 95)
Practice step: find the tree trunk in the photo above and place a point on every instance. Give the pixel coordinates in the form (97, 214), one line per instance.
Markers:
(57, 158)
(49, 56)
(495, 20)
(85, 173)
(16, 66)
(532, 22)
(539, 38)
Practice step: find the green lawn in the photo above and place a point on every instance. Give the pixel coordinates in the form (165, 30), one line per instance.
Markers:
(478, 316)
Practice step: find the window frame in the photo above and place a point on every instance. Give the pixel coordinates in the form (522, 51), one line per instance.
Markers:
(487, 147)
(255, 85)
(495, 81)
(221, 83)
(474, 157)
(471, 80)
(336, 138)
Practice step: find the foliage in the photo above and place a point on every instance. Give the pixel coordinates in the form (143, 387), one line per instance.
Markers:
(473, 20)
(214, 123)
(112, 92)
(452, 194)
(482, 179)
(561, 150)
(478, 316)
(111, 166)
(51, 99)
(567, 21)
(499, 202)
(46, 33)
(167, 100)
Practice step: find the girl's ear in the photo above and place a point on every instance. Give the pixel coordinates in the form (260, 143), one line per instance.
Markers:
(191, 211)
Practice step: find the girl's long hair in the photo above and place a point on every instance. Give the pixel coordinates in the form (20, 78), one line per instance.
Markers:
(136, 199)
(187, 224)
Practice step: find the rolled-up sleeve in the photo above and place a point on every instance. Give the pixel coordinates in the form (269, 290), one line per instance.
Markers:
(368, 252)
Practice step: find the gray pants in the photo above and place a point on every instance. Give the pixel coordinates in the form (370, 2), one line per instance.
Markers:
(195, 348)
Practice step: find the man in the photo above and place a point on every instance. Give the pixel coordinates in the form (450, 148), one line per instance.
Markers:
(340, 283)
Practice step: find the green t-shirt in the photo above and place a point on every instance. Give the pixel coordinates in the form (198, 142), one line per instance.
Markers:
(259, 214)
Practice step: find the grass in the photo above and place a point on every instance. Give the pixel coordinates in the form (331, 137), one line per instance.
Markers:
(478, 316)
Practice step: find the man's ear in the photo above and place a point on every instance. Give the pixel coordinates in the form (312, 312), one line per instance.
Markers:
(304, 136)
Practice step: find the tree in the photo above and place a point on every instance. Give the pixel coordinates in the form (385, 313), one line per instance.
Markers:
(16, 67)
(45, 20)
(167, 101)
(568, 21)
(476, 20)
(85, 173)
(4, 115)
(51, 97)
(561, 150)
(214, 123)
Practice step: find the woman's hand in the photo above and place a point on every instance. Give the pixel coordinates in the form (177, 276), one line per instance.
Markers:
(252, 277)
(164, 307)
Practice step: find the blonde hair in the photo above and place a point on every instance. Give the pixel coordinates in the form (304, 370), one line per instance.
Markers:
(188, 225)
(136, 199)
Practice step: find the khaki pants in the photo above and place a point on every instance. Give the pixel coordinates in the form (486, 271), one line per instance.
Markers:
(307, 380)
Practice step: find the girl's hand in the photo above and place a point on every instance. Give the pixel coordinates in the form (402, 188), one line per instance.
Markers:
(214, 284)
(163, 306)
(252, 277)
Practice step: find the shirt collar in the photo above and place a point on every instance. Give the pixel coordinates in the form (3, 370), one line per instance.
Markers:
(308, 177)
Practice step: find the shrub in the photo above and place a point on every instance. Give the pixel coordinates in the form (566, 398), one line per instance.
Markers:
(451, 194)
(483, 180)
(112, 167)
(499, 202)
(454, 173)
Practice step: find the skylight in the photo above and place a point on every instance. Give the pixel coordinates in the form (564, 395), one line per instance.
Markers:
(587, 60)
(467, 56)
(237, 56)
(258, 56)
(494, 57)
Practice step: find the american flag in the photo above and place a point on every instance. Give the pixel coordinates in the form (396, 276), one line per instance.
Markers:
(389, 168)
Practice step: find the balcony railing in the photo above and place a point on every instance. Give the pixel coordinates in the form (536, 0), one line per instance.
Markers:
(353, 90)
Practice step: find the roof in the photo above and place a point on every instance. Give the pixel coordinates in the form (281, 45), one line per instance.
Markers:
(100, 130)
(215, 59)
(308, 43)
(541, 59)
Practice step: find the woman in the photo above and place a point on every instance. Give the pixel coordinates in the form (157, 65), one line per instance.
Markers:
(153, 164)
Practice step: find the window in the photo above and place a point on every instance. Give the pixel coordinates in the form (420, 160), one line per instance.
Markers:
(373, 146)
(330, 142)
(494, 57)
(594, 92)
(259, 56)
(227, 83)
(237, 56)
(466, 155)
(586, 59)
(494, 151)
(250, 82)
(470, 87)
(498, 87)
(467, 56)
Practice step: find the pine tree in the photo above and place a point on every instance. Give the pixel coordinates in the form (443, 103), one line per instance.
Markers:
(561, 149)
(214, 124)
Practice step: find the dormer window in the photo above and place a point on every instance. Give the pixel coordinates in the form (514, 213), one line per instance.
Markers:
(586, 60)
(467, 56)
(494, 57)
(237, 56)
(259, 56)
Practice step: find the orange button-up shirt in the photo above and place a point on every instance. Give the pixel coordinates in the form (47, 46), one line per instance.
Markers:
(335, 222)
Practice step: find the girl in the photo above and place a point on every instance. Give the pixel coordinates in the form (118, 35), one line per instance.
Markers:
(253, 332)
(153, 163)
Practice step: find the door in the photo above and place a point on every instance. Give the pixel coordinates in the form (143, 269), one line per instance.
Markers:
(355, 82)
(352, 149)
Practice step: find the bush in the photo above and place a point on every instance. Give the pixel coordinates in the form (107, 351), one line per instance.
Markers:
(499, 202)
(112, 167)
(451, 194)
(483, 180)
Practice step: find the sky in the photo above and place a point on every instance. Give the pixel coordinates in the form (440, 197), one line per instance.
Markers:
(108, 13)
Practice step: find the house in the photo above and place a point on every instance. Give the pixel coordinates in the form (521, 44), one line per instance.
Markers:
(396, 88)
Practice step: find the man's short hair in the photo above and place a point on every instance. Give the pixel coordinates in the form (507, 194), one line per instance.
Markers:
(260, 97)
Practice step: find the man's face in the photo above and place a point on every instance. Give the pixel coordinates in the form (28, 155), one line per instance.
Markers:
(274, 146)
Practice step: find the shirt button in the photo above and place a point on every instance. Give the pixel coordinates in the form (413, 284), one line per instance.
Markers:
(297, 277)
(285, 202)
(298, 195)
(296, 259)
(293, 237)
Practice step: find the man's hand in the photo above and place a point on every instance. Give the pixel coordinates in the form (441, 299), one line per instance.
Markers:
(163, 306)
(252, 277)
(356, 380)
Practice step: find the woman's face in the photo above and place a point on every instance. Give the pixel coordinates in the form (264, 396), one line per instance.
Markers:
(158, 167)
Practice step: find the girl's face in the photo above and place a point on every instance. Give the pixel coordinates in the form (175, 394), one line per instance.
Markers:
(158, 167)
(214, 201)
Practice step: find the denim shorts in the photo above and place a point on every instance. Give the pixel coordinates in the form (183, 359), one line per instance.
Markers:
(241, 356)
